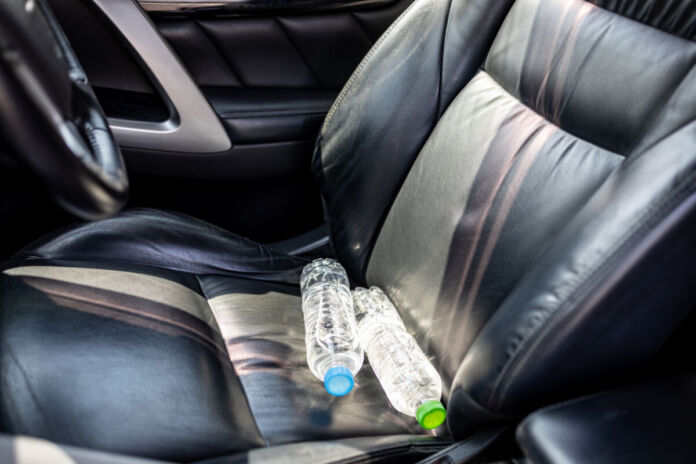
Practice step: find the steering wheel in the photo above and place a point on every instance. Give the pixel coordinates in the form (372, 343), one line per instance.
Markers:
(50, 116)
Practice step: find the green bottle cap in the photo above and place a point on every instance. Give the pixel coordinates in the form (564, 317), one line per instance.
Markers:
(431, 414)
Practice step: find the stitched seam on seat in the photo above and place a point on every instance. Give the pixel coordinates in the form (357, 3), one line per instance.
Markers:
(673, 34)
(585, 281)
(669, 134)
(361, 66)
(229, 359)
(207, 302)
(442, 57)
(547, 120)
(197, 336)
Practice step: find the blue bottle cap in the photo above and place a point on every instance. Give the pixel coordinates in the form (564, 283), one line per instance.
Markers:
(338, 381)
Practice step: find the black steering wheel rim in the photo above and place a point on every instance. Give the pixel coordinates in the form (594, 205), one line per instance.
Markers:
(50, 116)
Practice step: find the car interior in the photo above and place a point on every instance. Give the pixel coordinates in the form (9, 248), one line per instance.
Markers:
(517, 176)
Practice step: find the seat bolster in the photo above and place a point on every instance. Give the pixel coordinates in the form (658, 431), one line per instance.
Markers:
(166, 240)
(603, 298)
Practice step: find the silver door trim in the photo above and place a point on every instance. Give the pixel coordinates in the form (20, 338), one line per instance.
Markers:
(251, 7)
(194, 127)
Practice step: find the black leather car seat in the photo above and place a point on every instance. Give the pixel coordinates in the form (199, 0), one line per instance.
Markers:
(518, 176)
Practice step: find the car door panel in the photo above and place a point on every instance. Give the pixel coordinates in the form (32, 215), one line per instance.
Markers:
(268, 73)
(294, 52)
(252, 69)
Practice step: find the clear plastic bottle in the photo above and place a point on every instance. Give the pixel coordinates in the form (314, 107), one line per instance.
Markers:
(334, 354)
(410, 381)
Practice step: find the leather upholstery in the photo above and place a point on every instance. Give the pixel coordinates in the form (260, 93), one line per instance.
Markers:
(399, 90)
(267, 116)
(570, 196)
(263, 328)
(473, 257)
(131, 320)
(166, 240)
(89, 361)
(317, 51)
(645, 423)
(273, 78)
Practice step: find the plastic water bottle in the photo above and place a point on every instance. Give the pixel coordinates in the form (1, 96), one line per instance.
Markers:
(334, 354)
(410, 381)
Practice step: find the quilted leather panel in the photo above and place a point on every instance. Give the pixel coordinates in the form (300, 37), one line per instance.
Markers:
(205, 64)
(307, 52)
(399, 90)
(259, 52)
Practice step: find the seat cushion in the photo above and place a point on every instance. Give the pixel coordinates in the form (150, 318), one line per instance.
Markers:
(139, 353)
(168, 241)
(263, 329)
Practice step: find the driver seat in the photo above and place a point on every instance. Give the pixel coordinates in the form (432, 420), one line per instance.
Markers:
(519, 177)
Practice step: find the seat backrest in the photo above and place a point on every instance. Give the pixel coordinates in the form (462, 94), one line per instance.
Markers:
(520, 178)
(387, 110)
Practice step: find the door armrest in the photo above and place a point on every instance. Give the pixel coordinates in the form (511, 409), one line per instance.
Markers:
(648, 422)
